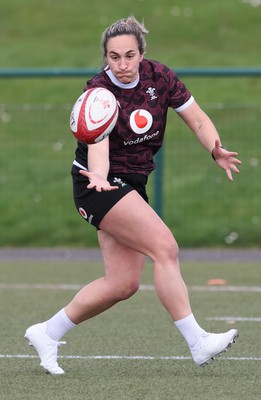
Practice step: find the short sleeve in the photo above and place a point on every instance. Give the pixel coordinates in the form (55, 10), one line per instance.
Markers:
(179, 96)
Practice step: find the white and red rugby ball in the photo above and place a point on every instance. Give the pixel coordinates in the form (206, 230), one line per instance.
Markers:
(94, 115)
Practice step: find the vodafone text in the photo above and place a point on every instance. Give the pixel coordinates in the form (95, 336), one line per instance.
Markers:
(140, 139)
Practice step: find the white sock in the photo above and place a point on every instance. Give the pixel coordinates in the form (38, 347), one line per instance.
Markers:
(190, 329)
(59, 325)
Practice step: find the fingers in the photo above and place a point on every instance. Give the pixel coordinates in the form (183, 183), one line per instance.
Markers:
(217, 144)
(236, 161)
(230, 169)
(103, 189)
(85, 173)
(234, 168)
(100, 185)
(113, 188)
(232, 153)
(227, 160)
(229, 175)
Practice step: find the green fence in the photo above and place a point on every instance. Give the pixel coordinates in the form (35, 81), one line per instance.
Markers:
(193, 195)
(76, 72)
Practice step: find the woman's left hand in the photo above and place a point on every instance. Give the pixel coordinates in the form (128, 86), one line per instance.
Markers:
(226, 159)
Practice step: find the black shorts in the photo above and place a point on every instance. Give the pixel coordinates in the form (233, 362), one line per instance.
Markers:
(93, 205)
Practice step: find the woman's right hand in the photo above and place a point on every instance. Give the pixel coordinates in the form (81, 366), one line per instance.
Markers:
(97, 182)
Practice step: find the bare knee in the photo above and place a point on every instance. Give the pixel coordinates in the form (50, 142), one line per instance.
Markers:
(124, 290)
(167, 250)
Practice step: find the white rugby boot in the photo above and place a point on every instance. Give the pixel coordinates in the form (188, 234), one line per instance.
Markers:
(211, 345)
(46, 348)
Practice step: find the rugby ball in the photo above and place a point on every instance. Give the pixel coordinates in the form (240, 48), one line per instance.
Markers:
(94, 115)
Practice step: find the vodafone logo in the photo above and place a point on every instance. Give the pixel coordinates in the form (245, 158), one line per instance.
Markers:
(83, 213)
(140, 121)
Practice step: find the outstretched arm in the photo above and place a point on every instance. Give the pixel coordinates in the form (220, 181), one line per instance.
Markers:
(98, 166)
(206, 133)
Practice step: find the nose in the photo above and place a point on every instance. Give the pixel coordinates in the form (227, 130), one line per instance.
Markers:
(122, 64)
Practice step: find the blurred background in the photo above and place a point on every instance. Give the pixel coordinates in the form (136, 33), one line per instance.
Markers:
(194, 197)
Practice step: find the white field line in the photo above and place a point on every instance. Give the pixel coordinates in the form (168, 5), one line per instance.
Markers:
(225, 288)
(234, 319)
(118, 357)
(55, 286)
(193, 288)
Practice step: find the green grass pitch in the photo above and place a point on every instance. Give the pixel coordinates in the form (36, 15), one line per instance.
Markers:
(132, 351)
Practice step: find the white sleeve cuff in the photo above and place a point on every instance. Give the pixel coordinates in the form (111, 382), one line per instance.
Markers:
(185, 105)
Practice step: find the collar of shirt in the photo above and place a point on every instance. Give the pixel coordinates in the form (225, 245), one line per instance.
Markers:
(114, 80)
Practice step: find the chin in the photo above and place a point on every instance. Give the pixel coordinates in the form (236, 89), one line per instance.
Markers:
(127, 80)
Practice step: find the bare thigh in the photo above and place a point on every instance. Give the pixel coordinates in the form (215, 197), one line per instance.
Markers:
(123, 265)
(134, 224)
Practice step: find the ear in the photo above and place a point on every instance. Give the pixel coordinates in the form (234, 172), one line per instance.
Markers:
(141, 57)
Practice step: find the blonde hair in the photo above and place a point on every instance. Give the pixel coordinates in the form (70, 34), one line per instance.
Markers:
(125, 26)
